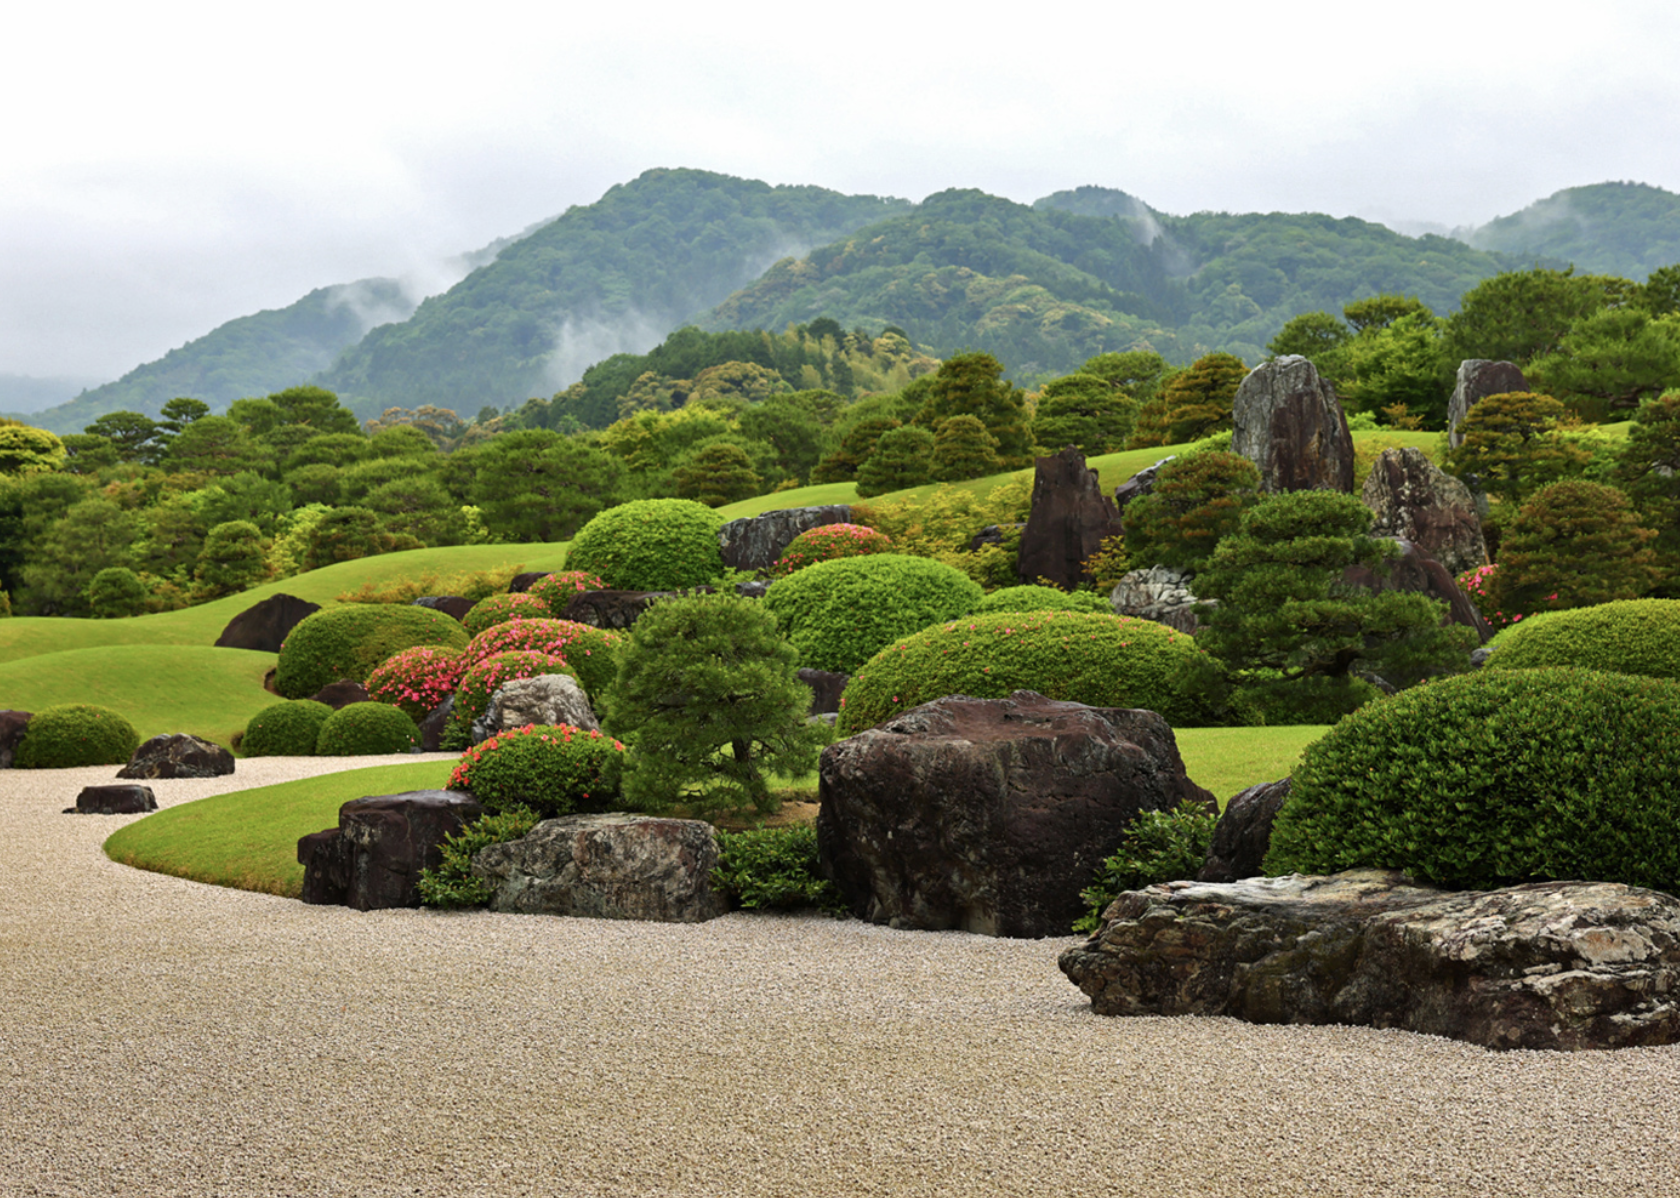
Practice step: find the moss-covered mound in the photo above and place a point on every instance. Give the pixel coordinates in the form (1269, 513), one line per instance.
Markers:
(288, 729)
(75, 734)
(840, 613)
(1632, 636)
(349, 641)
(1037, 598)
(1496, 778)
(363, 729)
(1080, 657)
(650, 545)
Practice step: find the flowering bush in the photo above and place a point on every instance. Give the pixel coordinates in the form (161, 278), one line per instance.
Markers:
(1477, 583)
(417, 679)
(552, 769)
(499, 609)
(557, 590)
(590, 652)
(827, 542)
(349, 641)
(481, 680)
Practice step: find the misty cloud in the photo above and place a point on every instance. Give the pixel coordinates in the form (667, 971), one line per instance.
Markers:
(583, 341)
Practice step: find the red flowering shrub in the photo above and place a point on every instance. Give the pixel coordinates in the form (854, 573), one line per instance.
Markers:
(417, 679)
(481, 680)
(1477, 583)
(557, 590)
(588, 651)
(552, 769)
(827, 542)
(499, 609)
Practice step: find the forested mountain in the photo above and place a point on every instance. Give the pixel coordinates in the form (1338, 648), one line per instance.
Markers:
(611, 277)
(253, 355)
(1626, 229)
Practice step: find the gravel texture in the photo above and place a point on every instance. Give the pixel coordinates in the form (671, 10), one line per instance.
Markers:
(164, 1037)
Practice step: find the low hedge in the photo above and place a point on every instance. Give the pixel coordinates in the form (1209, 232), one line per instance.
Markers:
(1496, 778)
(551, 769)
(650, 545)
(289, 729)
(1040, 598)
(840, 613)
(1630, 636)
(365, 729)
(75, 734)
(349, 641)
(1080, 657)
(499, 609)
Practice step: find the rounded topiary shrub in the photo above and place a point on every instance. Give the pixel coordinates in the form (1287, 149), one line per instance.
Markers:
(1632, 636)
(650, 545)
(481, 680)
(1495, 778)
(365, 729)
(559, 589)
(589, 651)
(499, 609)
(552, 769)
(349, 641)
(1037, 598)
(74, 734)
(841, 613)
(828, 542)
(288, 729)
(1080, 657)
(417, 679)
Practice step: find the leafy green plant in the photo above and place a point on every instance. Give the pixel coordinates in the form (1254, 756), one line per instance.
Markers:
(365, 729)
(560, 588)
(1634, 636)
(349, 641)
(75, 734)
(828, 542)
(289, 729)
(551, 769)
(1040, 598)
(1159, 846)
(588, 652)
(650, 545)
(1198, 499)
(775, 868)
(499, 609)
(116, 591)
(417, 679)
(452, 884)
(470, 584)
(1496, 778)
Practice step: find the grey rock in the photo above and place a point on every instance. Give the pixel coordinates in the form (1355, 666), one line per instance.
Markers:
(1159, 594)
(1551, 965)
(178, 756)
(989, 815)
(1479, 657)
(826, 688)
(13, 724)
(611, 866)
(1477, 379)
(543, 699)
(992, 534)
(612, 609)
(1070, 516)
(1289, 423)
(373, 859)
(1244, 833)
(265, 626)
(1140, 484)
(755, 589)
(754, 543)
(1413, 499)
(115, 800)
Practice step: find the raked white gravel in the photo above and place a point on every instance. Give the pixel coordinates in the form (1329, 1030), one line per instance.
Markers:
(162, 1037)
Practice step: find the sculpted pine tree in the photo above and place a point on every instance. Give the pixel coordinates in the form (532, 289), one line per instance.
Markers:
(1084, 411)
(1579, 541)
(1510, 448)
(1195, 403)
(962, 448)
(719, 473)
(973, 385)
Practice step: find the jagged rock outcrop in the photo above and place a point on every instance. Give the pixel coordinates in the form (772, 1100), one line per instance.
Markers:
(1289, 423)
(1070, 516)
(754, 543)
(989, 815)
(431, 728)
(1244, 833)
(373, 859)
(1552, 965)
(265, 626)
(1413, 499)
(178, 756)
(1159, 594)
(544, 699)
(1477, 379)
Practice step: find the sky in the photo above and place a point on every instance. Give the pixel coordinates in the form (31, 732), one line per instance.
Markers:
(170, 166)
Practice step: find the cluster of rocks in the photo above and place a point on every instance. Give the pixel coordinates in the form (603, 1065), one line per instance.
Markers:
(1157, 593)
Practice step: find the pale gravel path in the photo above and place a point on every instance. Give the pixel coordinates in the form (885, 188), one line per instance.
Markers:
(163, 1037)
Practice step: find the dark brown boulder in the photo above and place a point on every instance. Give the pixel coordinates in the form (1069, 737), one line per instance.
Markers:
(456, 606)
(521, 583)
(1551, 965)
(1070, 517)
(826, 689)
(265, 626)
(1244, 833)
(178, 756)
(1479, 378)
(992, 534)
(613, 609)
(754, 543)
(115, 800)
(342, 693)
(1413, 499)
(386, 841)
(13, 724)
(431, 728)
(1420, 574)
(1288, 422)
(989, 815)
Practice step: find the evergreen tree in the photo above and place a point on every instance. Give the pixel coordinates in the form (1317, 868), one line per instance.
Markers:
(973, 385)
(962, 448)
(234, 558)
(1574, 544)
(115, 592)
(1195, 403)
(903, 458)
(1086, 411)
(1510, 447)
(841, 466)
(718, 473)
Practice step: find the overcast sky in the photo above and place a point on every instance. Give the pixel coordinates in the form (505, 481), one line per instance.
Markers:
(170, 166)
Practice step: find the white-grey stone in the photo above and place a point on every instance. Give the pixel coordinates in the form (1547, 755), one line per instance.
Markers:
(1159, 594)
(544, 699)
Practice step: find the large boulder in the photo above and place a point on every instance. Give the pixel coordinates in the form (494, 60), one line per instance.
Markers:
(1159, 594)
(178, 756)
(1288, 422)
(373, 859)
(456, 606)
(544, 699)
(611, 866)
(1479, 378)
(1415, 500)
(1070, 517)
(1244, 833)
(1140, 484)
(13, 724)
(1551, 965)
(611, 609)
(827, 686)
(989, 815)
(755, 542)
(115, 800)
(1416, 572)
(265, 626)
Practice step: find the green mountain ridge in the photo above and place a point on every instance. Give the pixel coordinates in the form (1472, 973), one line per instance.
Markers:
(1626, 229)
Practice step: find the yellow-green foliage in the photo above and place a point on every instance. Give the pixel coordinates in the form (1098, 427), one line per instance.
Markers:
(469, 584)
(939, 525)
(76, 734)
(1633, 636)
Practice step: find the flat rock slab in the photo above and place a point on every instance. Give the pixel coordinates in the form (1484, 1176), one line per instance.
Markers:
(178, 756)
(115, 800)
(1552, 965)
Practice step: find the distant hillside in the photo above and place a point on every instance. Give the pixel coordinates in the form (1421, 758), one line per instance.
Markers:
(253, 355)
(21, 394)
(1627, 229)
(611, 277)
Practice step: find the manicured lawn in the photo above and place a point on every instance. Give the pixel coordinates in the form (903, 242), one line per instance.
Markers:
(1226, 760)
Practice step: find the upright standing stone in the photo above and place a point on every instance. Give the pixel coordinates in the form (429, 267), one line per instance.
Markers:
(1069, 519)
(1479, 378)
(1290, 424)
(1415, 500)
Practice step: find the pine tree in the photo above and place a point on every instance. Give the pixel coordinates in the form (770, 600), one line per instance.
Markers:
(719, 473)
(973, 385)
(962, 448)
(902, 458)
(1195, 403)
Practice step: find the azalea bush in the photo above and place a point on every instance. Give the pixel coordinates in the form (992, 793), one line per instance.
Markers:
(499, 609)
(552, 769)
(557, 590)
(482, 679)
(417, 679)
(1633, 636)
(350, 641)
(366, 729)
(1477, 583)
(589, 651)
(827, 542)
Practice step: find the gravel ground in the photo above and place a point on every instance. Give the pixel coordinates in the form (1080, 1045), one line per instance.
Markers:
(164, 1037)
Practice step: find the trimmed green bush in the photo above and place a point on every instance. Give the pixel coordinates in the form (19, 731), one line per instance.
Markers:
(1159, 846)
(1496, 778)
(839, 614)
(481, 680)
(1633, 636)
(1037, 598)
(552, 769)
(650, 545)
(589, 652)
(452, 884)
(76, 734)
(363, 729)
(559, 589)
(774, 868)
(1080, 657)
(499, 609)
(349, 641)
(417, 679)
(288, 729)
